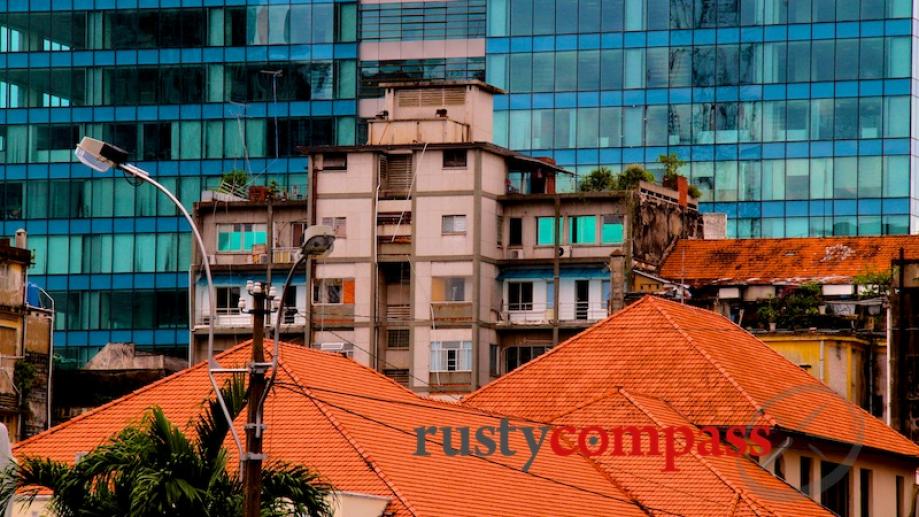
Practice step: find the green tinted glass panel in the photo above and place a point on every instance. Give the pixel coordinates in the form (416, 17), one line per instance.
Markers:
(545, 236)
(611, 232)
(583, 229)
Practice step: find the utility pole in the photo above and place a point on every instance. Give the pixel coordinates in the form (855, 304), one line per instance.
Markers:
(252, 474)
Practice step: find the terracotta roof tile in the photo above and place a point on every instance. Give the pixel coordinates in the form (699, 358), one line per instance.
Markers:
(356, 428)
(710, 370)
(750, 261)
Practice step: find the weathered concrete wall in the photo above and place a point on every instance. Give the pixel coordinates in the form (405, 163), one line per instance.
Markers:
(657, 225)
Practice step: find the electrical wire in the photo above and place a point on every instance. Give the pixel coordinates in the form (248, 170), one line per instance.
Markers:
(641, 505)
(457, 409)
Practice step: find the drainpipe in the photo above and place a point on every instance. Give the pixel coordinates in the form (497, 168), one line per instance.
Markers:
(556, 273)
(822, 373)
(889, 381)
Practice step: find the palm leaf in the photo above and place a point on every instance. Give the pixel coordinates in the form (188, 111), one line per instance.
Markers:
(294, 489)
(212, 426)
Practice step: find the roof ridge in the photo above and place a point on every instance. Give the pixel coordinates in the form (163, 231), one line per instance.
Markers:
(715, 363)
(596, 326)
(816, 383)
(589, 402)
(740, 493)
(124, 398)
(363, 453)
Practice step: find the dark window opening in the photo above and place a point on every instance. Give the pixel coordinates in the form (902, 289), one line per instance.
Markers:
(454, 158)
(516, 232)
(835, 495)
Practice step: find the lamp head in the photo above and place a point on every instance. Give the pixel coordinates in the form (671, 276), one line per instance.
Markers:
(99, 155)
(318, 241)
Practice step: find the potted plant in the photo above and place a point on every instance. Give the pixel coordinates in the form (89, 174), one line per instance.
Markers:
(769, 313)
(672, 164)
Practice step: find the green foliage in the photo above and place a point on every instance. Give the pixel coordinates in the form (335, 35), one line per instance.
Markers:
(235, 178)
(632, 175)
(154, 469)
(873, 283)
(694, 191)
(795, 309)
(24, 374)
(672, 164)
(769, 310)
(600, 179)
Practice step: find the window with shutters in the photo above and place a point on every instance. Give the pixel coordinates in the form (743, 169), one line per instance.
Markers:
(396, 173)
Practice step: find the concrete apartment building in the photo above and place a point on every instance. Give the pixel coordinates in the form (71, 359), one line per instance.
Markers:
(26, 317)
(455, 261)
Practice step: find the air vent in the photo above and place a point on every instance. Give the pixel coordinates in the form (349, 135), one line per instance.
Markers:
(430, 97)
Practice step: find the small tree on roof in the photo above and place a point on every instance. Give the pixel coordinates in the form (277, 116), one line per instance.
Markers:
(633, 175)
(600, 179)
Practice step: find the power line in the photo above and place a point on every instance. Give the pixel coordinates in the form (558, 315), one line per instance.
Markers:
(472, 412)
(483, 458)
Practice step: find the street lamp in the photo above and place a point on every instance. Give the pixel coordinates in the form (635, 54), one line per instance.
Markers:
(317, 241)
(102, 156)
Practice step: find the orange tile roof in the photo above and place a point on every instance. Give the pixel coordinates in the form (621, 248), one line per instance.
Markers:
(356, 428)
(702, 485)
(707, 368)
(751, 261)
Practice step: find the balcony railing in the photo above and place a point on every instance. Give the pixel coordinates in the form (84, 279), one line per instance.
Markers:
(238, 320)
(527, 313)
(398, 313)
(451, 312)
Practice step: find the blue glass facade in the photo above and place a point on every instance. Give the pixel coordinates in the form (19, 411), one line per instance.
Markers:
(793, 116)
(178, 83)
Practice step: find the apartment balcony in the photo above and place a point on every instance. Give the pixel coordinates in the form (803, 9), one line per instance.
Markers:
(333, 315)
(445, 313)
(256, 257)
(231, 321)
(535, 314)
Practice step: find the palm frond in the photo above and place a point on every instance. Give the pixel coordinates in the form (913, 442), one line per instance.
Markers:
(294, 489)
(212, 426)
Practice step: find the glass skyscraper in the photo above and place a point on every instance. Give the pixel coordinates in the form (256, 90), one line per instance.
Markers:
(180, 84)
(794, 116)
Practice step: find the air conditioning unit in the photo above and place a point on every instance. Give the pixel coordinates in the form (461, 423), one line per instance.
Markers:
(212, 260)
(344, 349)
(564, 251)
(515, 254)
(332, 347)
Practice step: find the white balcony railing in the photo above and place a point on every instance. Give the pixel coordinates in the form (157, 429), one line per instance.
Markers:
(237, 320)
(541, 313)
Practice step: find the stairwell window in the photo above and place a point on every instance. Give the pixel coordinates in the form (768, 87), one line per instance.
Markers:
(240, 238)
(453, 225)
(451, 356)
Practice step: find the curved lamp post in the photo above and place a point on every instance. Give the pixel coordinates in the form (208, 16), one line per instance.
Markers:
(101, 157)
